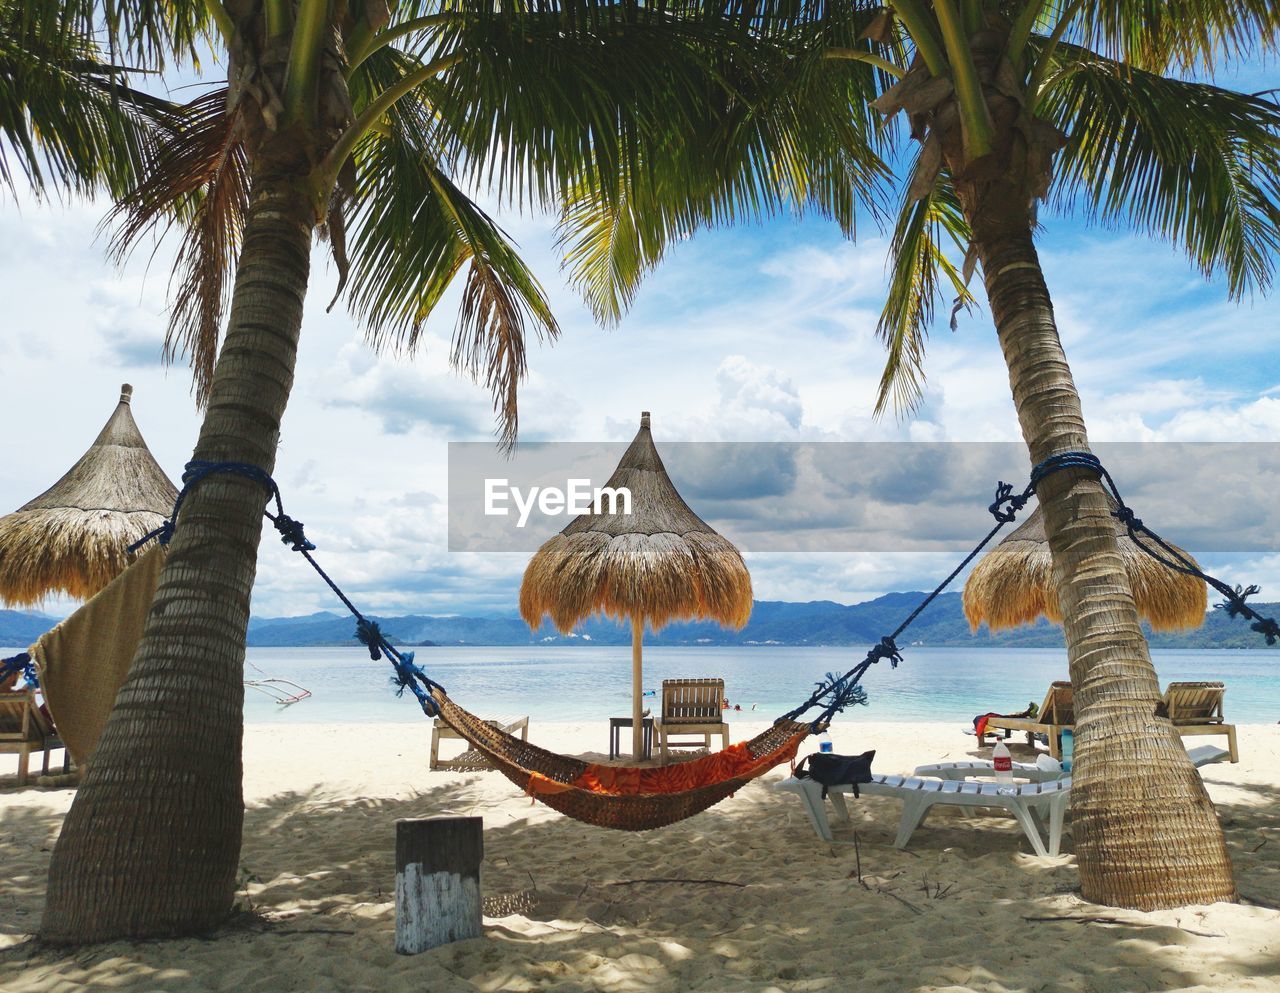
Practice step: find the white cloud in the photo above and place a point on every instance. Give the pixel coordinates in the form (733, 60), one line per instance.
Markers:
(761, 333)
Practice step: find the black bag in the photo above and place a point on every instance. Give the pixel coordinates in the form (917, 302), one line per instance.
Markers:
(836, 770)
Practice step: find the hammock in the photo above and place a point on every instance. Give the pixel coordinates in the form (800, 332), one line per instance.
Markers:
(629, 798)
(638, 798)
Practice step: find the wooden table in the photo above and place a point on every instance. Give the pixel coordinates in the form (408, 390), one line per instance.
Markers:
(616, 724)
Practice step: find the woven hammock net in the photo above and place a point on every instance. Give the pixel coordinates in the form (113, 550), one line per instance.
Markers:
(628, 798)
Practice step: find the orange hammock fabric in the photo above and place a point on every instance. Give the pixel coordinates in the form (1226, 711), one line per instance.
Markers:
(734, 762)
(622, 797)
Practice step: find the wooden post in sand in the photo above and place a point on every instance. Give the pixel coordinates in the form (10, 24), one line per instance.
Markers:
(637, 688)
(437, 881)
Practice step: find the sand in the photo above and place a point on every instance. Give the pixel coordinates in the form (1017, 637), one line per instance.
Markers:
(741, 898)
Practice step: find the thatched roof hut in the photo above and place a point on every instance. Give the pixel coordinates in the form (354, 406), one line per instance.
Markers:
(1013, 584)
(659, 563)
(72, 537)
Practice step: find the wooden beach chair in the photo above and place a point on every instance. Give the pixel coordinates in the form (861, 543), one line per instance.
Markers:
(690, 707)
(24, 730)
(1057, 714)
(470, 759)
(1196, 709)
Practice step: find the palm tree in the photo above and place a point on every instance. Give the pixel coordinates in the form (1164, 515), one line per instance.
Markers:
(1010, 104)
(365, 124)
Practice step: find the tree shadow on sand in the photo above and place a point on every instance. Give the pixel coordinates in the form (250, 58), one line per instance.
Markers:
(741, 897)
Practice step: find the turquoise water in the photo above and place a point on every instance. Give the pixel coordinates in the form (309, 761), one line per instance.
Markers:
(589, 683)
(573, 684)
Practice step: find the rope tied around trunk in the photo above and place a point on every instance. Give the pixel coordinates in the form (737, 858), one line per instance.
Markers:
(1234, 597)
(837, 692)
(408, 675)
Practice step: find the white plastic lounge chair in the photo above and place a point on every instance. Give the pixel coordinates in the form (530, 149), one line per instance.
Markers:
(1027, 802)
(972, 770)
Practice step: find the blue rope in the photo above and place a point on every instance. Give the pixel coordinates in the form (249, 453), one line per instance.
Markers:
(20, 663)
(835, 693)
(1234, 596)
(408, 675)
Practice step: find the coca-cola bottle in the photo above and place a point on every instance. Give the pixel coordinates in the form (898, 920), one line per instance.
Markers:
(1002, 762)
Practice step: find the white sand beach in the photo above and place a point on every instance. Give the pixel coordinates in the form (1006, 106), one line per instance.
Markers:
(743, 897)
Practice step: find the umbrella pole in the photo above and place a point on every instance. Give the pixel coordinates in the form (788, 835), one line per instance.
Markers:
(637, 687)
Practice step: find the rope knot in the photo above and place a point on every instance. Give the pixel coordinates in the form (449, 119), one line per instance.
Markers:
(1235, 605)
(370, 636)
(20, 663)
(886, 649)
(1268, 628)
(1128, 518)
(1016, 501)
(291, 533)
(404, 672)
(162, 534)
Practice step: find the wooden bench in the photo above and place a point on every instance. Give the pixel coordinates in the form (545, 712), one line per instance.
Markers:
(690, 707)
(24, 729)
(468, 761)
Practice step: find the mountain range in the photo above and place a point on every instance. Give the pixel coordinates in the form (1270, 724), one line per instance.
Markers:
(773, 622)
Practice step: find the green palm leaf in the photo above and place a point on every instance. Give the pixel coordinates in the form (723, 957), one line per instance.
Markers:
(414, 231)
(198, 182)
(796, 135)
(1158, 35)
(918, 263)
(1189, 162)
(68, 118)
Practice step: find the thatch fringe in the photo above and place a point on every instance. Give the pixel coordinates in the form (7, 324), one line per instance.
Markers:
(1013, 585)
(660, 577)
(66, 550)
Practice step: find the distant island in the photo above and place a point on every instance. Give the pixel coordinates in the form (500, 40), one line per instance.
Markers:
(773, 622)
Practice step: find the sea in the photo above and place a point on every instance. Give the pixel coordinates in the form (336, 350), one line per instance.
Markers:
(591, 683)
(586, 683)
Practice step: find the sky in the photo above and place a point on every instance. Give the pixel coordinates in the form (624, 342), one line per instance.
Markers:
(759, 333)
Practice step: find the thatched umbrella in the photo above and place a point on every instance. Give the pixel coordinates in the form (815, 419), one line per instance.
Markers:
(1013, 584)
(657, 564)
(72, 537)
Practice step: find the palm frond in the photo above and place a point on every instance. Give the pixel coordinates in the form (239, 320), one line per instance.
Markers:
(200, 182)
(918, 262)
(1193, 163)
(68, 118)
(1159, 35)
(794, 135)
(147, 34)
(414, 230)
(629, 91)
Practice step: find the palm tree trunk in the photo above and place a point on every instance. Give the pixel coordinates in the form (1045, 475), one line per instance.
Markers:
(1146, 833)
(151, 845)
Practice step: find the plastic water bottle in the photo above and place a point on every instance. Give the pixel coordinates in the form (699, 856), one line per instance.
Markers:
(1068, 747)
(1002, 762)
(824, 743)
